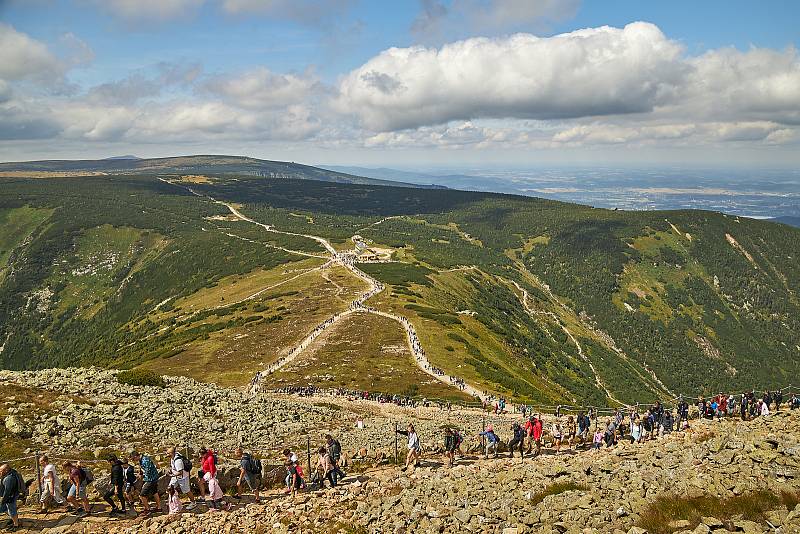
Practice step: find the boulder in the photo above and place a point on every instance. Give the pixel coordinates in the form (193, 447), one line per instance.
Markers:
(15, 425)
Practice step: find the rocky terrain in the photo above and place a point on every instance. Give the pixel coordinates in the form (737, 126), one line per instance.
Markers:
(739, 476)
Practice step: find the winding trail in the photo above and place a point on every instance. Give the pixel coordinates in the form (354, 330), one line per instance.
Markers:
(347, 260)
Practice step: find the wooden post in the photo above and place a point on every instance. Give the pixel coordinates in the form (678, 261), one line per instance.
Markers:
(395, 444)
(308, 453)
(38, 474)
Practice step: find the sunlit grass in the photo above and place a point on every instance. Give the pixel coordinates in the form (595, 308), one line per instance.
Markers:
(660, 513)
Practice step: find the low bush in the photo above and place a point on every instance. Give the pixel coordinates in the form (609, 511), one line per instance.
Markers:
(555, 489)
(140, 377)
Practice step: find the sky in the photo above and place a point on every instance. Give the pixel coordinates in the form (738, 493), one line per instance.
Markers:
(406, 83)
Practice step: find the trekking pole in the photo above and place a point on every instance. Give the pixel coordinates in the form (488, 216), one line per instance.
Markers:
(38, 474)
(395, 444)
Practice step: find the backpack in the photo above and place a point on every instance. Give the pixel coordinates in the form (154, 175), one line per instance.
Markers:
(22, 488)
(88, 476)
(251, 465)
(130, 475)
(187, 463)
(335, 450)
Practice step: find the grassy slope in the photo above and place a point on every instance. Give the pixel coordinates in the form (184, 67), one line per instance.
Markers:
(366, 352)
(278, 319)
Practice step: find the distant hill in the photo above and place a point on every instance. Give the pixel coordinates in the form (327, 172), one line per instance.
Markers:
(201, 164)
(791, 221)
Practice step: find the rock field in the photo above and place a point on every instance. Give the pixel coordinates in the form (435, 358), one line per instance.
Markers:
(603, 491)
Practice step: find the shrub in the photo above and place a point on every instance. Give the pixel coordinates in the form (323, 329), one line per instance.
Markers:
(140, 377)
(555, 489)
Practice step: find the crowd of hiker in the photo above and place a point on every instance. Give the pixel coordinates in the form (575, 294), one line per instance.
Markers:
(357, 394)
(134, 481)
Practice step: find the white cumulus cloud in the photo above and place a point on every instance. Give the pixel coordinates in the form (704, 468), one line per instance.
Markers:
(601, 71)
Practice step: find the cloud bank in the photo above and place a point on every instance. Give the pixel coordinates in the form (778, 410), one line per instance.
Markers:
(606, 86)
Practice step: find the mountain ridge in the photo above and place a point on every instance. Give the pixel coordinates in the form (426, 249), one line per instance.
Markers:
(197, 164)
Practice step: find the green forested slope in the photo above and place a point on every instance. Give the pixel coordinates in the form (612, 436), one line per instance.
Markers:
(532, 298)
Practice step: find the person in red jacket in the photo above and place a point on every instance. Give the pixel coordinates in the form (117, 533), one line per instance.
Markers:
(528, 426)
(208, 464)
(537, 433)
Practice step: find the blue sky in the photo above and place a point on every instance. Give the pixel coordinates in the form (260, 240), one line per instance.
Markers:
(316, 80)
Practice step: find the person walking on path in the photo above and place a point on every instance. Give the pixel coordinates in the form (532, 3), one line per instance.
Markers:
(150, 478)
(179, 468)
(538, 430)
(50, 485)
(77, 491)
(335, 452)
(215, 495)
(117, 488)
(208, 464)
(517, 440)
(129, 474)
(492, 441)
(174, 500)
(293, 477)
(9, 493)
(414, 447)
(325, 468)
(250, 472)
(528, 427)
(450, 446)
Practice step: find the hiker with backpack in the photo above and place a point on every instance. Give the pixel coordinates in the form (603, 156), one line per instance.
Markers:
(335, 452)
(50, 485)
(117, 487)
(180, 469)
(79, 478)
(250, 472)
(492, 441)
(12, 489)
(150, 476)
(450, 446)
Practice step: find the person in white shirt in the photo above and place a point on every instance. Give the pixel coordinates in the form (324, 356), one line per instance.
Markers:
(180, 475)
(764, 408)
(414, 447)
(50, 485)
